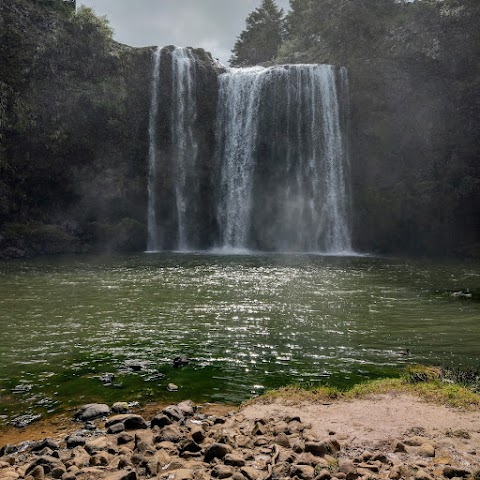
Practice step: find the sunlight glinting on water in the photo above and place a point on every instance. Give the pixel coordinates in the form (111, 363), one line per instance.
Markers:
(252, 322)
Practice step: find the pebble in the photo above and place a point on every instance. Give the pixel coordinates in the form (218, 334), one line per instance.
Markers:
(181, 444)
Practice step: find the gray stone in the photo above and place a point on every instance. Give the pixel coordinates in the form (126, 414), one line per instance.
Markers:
(46, 443)
(380, 457)
(281, 470)
(426, 450)
(316, 448)
(123, 475)
(398, 471)
(282, 440)
(422, 475)
(116, 428)
(47, 463)
(416, 441)
(189, 445)
(250, 473)
(304, 472)
(222, 471)
(187, 407)
(96, 445)
(180, 474)
(38, 473)
(160, 420)
(324, 475)
(451, 472)
(197, 433)
(80, 458)
(171, 433)
(174, 413)
(100, 459)
(216, 450)
(120, 407)
(130, 420)
(234, 460)
(398, 447)
(92, 411)
(124, 438)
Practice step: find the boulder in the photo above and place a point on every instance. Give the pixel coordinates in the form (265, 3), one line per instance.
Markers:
(216, 450)
(187, 407)
(47, 463)
(304, 472)
(92, 411)
(451, 472)
(222, 471)
(122, 475)
(120, 407)
(426, 450)
(234, 460)
(316, 448)
(130, 421)
(46, 443)
(250, 473)
(160, 420)
(173, 413)
(282, 440)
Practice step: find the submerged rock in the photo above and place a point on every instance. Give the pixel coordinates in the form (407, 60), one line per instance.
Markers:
(107, 378)
(23, 420)
(180, 361)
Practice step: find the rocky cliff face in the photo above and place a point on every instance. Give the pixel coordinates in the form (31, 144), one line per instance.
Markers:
(415, 109)
(74, 109)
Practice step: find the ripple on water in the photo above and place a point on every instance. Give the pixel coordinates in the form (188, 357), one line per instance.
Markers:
(248, 322)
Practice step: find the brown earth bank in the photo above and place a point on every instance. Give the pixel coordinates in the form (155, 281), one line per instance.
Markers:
(383, 436)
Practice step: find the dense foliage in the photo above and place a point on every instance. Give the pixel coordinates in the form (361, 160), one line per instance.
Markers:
(415, 124)
(72, 122)
(262, 38)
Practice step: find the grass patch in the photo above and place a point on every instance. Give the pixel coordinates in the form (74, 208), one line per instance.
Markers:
(429, 383)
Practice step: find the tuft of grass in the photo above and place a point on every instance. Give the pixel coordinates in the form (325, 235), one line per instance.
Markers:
(428, 383)
(422, 373)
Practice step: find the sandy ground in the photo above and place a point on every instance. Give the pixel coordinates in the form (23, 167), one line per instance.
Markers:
(375, 423)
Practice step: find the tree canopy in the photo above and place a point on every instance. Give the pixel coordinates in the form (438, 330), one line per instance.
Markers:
(262, 38)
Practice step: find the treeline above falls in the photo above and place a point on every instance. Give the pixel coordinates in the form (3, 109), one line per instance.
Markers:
(76, 136)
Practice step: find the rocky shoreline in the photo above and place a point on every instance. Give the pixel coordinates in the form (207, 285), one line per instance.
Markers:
(181, 443)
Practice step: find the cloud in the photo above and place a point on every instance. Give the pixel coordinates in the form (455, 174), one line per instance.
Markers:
(211, 24)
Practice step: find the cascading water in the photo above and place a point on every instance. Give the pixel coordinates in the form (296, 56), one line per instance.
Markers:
(283, 160)
(279, 182)
(239, 100)
(153, 243)
(172, 86)
(184, 115)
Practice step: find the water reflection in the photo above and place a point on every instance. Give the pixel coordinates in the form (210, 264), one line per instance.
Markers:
(247, 322)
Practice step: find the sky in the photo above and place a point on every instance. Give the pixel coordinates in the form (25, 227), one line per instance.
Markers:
(211, 24)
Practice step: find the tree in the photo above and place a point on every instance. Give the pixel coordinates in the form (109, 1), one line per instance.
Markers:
(262, 38)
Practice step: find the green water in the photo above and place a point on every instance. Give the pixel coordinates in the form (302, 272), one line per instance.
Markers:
(248, 323)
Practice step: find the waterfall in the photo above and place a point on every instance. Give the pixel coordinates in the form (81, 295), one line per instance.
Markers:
(269, 173)
(173, 172)
(239, 99)
(184, 115)
(152, 154)
(283, 160)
